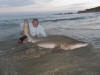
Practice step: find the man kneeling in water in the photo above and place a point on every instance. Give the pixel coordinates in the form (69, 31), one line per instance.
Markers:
(36, 30)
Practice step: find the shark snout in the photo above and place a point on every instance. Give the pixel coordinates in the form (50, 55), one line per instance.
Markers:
(78, 45)
(83, 44)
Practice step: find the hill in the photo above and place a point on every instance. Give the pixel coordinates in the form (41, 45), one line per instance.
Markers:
(96, 9)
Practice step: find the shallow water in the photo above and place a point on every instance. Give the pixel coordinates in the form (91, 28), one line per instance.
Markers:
(27, 59)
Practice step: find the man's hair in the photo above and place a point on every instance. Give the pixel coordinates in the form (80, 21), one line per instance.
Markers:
(35, 19)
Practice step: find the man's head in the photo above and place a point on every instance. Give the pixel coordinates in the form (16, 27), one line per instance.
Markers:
(35, 22)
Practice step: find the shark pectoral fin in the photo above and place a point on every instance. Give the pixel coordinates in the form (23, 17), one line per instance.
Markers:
(64, 47)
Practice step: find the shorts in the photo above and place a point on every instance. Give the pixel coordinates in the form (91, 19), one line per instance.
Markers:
(21, 39)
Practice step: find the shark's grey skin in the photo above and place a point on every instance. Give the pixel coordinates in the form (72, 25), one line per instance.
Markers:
(59, 41)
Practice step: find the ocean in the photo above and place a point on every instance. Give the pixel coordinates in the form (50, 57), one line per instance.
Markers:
(84, 27)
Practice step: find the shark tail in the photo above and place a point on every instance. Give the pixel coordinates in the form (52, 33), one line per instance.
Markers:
(27, 31)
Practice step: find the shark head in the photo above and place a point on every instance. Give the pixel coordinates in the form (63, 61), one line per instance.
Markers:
(78, 45)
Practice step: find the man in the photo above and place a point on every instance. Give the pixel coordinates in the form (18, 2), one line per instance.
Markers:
(36, 30)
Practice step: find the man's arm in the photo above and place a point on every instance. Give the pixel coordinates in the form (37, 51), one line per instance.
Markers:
(42, 32)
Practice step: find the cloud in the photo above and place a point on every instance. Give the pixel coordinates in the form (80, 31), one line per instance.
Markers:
(19, 3)
(45, 5)
(15, 3)
(74, 4)
(23, 5)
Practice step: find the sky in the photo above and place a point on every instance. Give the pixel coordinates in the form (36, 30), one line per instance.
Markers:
(10, 6)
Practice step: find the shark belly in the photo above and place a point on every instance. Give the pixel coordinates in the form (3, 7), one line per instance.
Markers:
(47, 45)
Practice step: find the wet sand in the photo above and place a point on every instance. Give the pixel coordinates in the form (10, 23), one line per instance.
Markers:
(26, 59)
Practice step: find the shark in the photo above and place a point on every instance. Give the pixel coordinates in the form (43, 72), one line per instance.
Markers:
(53, 41)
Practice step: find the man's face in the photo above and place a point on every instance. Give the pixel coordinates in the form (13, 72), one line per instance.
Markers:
(35, 23)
